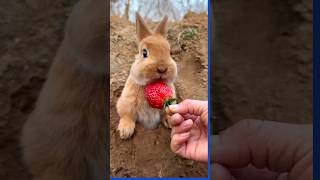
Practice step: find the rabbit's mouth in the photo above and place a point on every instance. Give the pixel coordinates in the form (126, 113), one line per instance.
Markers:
(162, 77)
(158, 79)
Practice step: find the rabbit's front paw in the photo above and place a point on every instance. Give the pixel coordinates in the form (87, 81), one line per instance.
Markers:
(126, 128)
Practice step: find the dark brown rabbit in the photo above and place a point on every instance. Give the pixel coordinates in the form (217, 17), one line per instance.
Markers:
(64, 138)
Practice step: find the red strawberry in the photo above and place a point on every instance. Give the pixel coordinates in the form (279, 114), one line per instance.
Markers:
(158, 95)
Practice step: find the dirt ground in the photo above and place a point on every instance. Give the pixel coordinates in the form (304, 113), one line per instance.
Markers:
(148, 153)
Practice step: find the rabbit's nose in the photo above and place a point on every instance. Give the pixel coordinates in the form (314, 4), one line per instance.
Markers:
(162, 69)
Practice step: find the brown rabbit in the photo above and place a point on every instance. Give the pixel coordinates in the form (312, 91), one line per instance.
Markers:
(64, 138)
(153, 63)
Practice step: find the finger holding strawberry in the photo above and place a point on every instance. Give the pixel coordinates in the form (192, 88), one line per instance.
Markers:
(189, 121)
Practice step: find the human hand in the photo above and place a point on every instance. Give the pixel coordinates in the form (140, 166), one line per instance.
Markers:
(264, 150)
(189, 135)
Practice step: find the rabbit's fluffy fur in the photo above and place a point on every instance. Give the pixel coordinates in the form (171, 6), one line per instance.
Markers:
(156, 66)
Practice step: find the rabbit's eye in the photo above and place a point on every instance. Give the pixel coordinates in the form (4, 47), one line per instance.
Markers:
(144, 53)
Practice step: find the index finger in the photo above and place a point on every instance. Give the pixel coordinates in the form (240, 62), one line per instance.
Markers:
(192, 107)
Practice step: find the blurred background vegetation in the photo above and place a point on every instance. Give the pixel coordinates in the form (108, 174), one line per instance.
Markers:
(154, 10)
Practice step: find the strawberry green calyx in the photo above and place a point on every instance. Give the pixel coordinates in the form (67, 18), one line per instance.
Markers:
(168, 102)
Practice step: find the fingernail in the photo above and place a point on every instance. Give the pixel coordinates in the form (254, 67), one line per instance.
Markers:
(167, 110)
(173, 107)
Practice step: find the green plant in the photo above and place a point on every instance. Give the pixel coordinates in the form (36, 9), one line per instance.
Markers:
(189, 33)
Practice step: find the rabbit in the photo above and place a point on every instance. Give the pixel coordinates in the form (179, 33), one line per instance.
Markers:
(64, 137)
(153, 63)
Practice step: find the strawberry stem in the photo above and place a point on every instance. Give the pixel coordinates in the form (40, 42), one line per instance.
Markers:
(168, 102)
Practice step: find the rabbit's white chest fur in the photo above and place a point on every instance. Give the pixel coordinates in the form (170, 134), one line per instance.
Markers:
(148, 116)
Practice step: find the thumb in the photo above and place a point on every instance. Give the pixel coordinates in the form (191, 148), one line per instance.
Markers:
(280, 147)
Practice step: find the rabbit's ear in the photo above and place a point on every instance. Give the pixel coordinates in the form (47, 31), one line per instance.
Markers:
(161, 27)
(141, 28)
